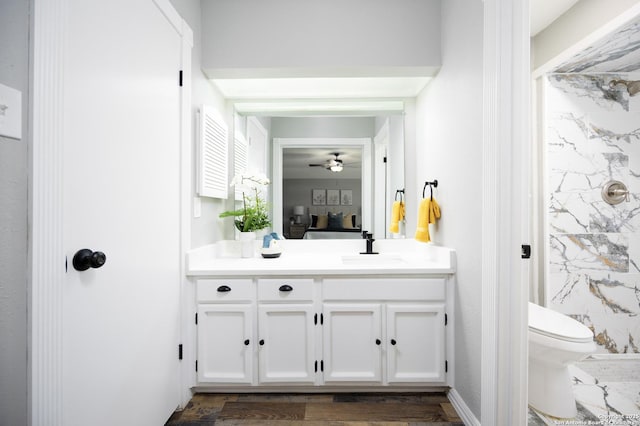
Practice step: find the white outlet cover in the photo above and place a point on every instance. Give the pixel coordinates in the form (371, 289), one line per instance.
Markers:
(10, 112)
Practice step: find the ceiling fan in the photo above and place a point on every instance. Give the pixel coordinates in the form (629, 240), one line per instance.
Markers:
(333, 164)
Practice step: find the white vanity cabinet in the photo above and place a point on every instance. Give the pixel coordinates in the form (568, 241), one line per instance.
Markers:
(399, 339)
(305, 332)
(352, 338)
(225, 318)
(286, 331)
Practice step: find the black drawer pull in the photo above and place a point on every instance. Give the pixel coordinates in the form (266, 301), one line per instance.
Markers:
(393, 341)
(378, 342)
(246, 342)
(285, 287)
(224, 288)
(261, 342)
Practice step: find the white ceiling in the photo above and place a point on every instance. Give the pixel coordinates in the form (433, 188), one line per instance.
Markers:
(544, 12)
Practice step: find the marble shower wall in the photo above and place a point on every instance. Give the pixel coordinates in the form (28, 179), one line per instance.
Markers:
(592, 137)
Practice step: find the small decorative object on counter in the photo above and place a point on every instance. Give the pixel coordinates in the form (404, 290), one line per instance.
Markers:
(271, 245)
(253, 215)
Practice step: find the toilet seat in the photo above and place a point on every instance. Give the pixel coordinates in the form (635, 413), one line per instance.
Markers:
(557, 326)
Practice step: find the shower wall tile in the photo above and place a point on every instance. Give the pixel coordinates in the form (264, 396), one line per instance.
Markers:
(588, 252)
(634, 101)
(585, 93)
(619, 51)
(607, 303)
(593, 137)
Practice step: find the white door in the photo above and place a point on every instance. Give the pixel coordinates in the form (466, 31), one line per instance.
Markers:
(352, 342)
(415, 343)
(121, 197)
(225, 343)
(286, 343)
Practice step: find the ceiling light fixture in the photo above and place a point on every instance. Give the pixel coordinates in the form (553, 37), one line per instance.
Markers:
(337, 167)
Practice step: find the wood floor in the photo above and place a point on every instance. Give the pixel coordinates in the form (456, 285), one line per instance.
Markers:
(348, 409)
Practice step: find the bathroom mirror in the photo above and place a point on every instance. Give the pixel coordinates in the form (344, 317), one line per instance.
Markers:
(297, 151)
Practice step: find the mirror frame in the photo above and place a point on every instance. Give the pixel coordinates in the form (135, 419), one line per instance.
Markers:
(366, 175)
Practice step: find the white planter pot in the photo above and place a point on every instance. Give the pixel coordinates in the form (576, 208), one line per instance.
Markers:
(247, 244)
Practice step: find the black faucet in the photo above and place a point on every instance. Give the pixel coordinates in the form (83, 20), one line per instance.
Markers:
(370, 240)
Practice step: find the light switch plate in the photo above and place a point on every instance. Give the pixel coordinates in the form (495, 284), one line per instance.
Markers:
(10, 112)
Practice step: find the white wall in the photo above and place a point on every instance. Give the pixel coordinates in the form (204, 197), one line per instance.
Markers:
(449, 134)
(207, 228)
(332, 37)
(14, 72)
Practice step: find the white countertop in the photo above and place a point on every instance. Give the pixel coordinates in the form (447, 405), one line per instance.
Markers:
(324, 257)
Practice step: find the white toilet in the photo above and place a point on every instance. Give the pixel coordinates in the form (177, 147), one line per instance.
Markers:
(555, 342)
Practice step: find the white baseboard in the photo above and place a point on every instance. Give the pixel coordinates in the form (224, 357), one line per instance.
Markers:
(461, 408)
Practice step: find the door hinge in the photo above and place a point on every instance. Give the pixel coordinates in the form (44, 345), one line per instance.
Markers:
(180, 78)
(196, 365)
(446, 366)
(180, 351)
(446, 319)
(526, 251)
(196, 318)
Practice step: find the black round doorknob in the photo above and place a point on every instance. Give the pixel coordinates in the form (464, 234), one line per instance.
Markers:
(85, 259)
(393, 341)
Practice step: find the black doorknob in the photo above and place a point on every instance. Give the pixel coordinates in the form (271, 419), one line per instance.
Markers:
(85, 259)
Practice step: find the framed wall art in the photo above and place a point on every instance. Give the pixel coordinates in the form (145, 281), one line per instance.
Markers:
(346, 197)
(318, 197)
(333, 197)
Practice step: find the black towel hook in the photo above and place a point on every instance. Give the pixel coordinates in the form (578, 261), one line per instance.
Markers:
(431, 186)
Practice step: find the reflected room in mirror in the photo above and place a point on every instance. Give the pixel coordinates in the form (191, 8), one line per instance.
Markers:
(332, 175)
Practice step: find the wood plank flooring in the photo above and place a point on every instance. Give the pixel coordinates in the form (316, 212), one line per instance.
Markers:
(349, 409)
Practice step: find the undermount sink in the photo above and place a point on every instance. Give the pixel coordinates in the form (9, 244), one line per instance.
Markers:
(372, 259)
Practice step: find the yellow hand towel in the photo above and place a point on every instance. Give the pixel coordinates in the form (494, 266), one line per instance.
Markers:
(428, 212)
(397, 214)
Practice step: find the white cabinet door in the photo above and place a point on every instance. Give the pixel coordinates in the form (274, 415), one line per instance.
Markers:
(286, 343)
(225, 342)
(352, 338)
(415, 343)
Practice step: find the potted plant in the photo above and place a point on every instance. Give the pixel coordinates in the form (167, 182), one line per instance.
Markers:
(254, 214)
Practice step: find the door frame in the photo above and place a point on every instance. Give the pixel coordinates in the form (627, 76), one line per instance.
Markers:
(47, 263)
(505, 214)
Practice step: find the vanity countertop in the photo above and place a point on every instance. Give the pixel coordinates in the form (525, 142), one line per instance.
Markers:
(324, 257)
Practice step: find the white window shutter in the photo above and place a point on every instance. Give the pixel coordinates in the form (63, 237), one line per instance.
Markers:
(213, 172)
(240, 158)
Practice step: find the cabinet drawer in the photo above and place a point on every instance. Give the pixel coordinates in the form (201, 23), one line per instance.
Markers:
(285, 289)
(412, 289)
(221, 291)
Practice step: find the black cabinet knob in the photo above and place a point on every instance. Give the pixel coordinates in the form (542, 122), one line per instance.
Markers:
(261, 342)
(285, 287)
(393, 341)
(85, 259)
(224, 288)
(246, 342)
(378, 342)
